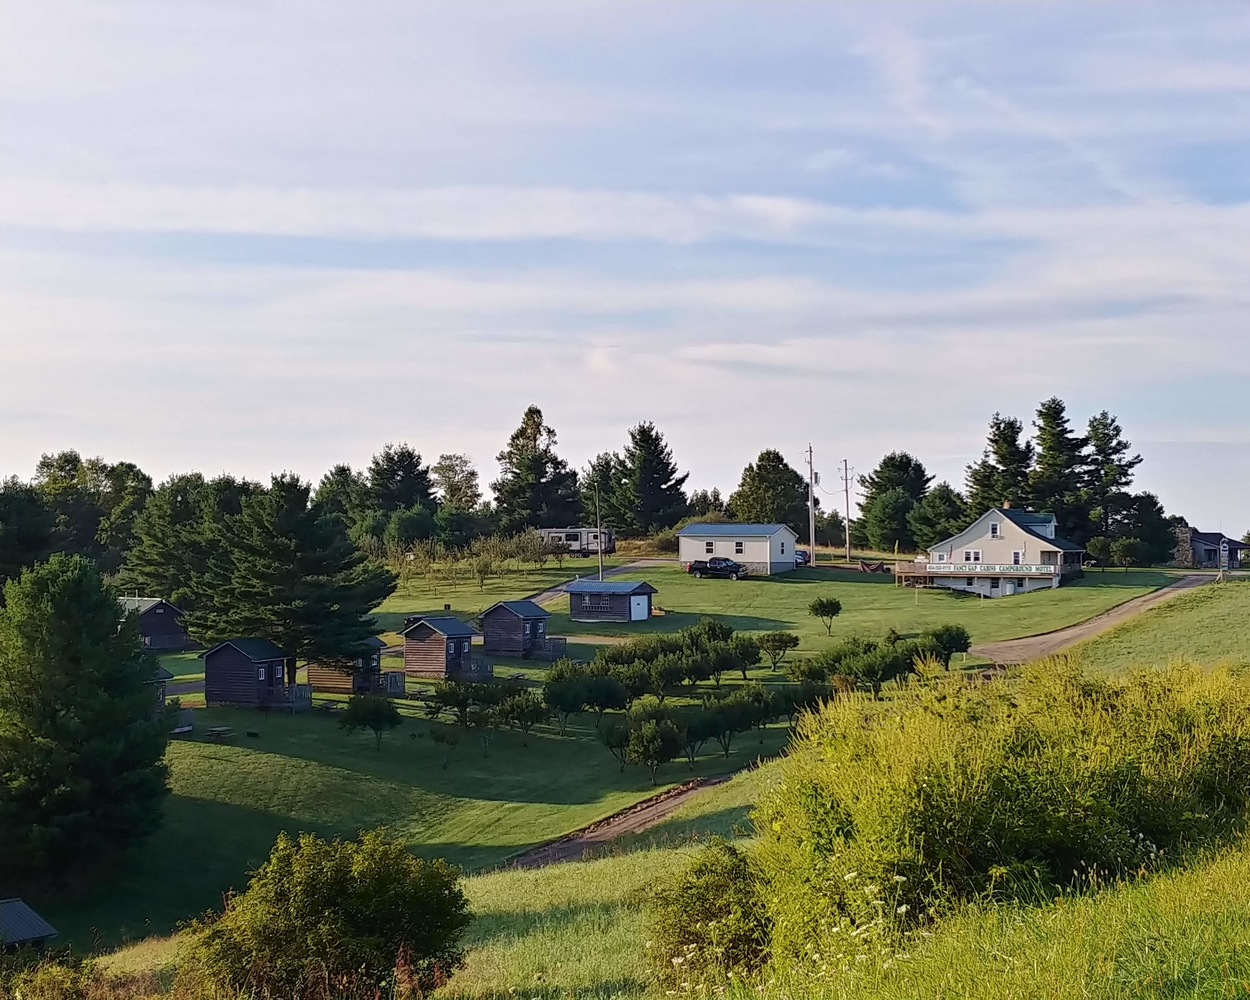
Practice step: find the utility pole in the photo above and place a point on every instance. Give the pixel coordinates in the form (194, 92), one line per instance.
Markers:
(811, 502)
(599, 531)
(846, 487)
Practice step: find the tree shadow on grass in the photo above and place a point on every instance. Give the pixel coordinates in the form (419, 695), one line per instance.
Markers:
(670, 621)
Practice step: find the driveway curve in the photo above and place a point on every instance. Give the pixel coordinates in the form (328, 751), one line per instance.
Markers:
(1034, 647)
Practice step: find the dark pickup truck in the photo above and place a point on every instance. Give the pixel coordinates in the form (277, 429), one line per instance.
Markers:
(726, 568)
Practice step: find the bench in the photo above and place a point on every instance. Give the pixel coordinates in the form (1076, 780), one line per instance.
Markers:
(219, 734)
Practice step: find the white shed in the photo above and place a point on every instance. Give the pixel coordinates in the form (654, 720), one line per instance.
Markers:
(763, 548)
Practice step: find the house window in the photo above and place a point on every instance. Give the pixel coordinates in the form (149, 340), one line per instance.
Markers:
(971, 582)
(941, 557)
(994, 529)
(260, 673)
(738, 548)
(995, 583)
(1015, 558)
(709, 547)
(783, 548)
(972, 555)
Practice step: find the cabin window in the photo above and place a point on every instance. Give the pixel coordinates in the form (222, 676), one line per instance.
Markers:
(993, 529)
(451, 649)
(464, 646)
(260, 673)
(709, 547)
(738, 548)
(1016, 558)
(995, 582)
(159, 611)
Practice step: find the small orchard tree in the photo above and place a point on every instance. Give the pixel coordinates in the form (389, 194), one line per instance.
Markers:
(775, 645)
(523, 711)
(564, 691)
(349, 919)
(747, 649)
(604, 692)
(826, 609)
(654, 743)
(1098, 548)
(950, 639)
(1126, 552)
(372, 711)
(616, 739)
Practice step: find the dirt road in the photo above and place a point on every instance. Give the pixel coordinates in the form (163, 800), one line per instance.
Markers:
(1032, 647)
(638, 817)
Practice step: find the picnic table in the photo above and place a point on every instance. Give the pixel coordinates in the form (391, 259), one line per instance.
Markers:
(219, 734)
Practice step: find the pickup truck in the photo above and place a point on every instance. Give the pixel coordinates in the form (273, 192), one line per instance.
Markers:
(716, 566)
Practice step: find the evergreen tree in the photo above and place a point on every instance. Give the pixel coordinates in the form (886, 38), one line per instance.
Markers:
(896, 470)
(705, 502)
(27, 528)
(344, 492)
(603, 483)
(288, 572)
(536, 487)
(652, 488)
(771, 492)
(399, 481)
(81, 736)
(1110, 472)
(941, 513)
(1146, 521)
(1058, 479)
(457, 483)
(885, 521)
(830, 528)
(1002, 475)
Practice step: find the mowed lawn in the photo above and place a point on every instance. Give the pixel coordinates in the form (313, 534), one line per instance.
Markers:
(1205, 625)
(871, 604)
(304, 773)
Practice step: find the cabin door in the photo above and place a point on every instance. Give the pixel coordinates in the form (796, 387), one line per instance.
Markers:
(638, 608)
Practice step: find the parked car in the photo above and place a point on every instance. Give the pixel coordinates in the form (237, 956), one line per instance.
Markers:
(802, 557)
(716, 566)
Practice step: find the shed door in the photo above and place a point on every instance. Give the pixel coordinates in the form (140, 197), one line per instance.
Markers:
(638, 608)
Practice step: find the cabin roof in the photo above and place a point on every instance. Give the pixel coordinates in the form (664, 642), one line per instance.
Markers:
(609, 587)
(144, 604)
(20, 924)
(731, 528)
(256, 650)
(522, 609)
(375, 641)
(448, 625)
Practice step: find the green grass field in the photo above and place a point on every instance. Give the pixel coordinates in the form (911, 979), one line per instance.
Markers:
(1206, 625)
(871, 604)
(230, 801)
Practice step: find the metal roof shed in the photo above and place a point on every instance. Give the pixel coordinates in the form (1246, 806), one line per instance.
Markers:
(20, 925)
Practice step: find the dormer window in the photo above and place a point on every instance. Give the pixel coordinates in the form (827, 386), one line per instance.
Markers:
(994, 529)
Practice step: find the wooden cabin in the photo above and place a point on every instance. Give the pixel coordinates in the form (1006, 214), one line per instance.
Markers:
(160, 623)
(609, 600)
(441, 647)
(365, 674)
(22, 927)
(251, 672)
(514, 628)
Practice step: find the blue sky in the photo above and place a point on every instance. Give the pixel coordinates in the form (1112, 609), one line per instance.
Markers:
(264, 236)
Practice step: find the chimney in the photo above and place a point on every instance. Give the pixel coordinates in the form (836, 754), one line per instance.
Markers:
(1006, 505)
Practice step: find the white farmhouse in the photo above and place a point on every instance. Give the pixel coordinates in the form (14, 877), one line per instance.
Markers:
(762, 548)
(1003, 552)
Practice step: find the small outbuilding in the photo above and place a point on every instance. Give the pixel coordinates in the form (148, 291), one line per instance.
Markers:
(515, 628)
(22, 927)
(442, 647)
(763, 549)
(160, 623)
(251, 672)
(609, 600)
(365, 675)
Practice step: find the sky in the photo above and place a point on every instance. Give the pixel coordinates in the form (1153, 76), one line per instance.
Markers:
(256, 236)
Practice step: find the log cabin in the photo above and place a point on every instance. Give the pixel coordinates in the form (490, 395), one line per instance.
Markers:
(441, 647)
(609, 600)
(514, 628)
(251, 672)
(364, 675)
(160, 622)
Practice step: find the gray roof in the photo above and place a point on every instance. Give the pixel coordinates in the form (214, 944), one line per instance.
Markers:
(144, 604)
(256, 650)
(448, 625)
(1026, 519)
(376, 642)
(610, 587)
(522, 609)
(20, 924)
(1216, 538)
(730, 528)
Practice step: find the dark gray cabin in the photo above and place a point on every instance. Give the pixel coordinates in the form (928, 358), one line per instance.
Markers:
(514, 628)
(441, 647)
(609, 600)
(22, 927)
(160, 623)
(250, 672)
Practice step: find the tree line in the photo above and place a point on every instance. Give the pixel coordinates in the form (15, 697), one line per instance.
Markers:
(1084, 479)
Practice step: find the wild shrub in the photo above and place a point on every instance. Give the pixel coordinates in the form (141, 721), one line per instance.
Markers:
(884, 815)
(341, 919)
(710, 923)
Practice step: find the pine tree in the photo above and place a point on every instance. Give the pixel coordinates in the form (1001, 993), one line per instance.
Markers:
(399, 481)
(1146, 520)
(603, 487)
(705, 502)
(536, 487)
(1002, 475)
(885, 520)
(652, 484)
(771, 492)
(896, 470)
(81, 736)
(1058, 479)
(1110, 473)
(289, 573)
(940, 514)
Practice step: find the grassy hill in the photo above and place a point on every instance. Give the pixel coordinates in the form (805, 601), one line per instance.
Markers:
(1204, 626)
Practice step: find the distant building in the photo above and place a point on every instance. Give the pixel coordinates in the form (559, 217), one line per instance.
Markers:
(160, 622)
(1003, 552)
(609, 600)
(442, 647)
(763, 549)
(514, 628)
(1202, 549)
(251, 672)
(22, 927)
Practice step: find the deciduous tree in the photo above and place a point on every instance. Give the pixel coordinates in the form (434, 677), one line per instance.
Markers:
(373, 711)
(771, 492)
